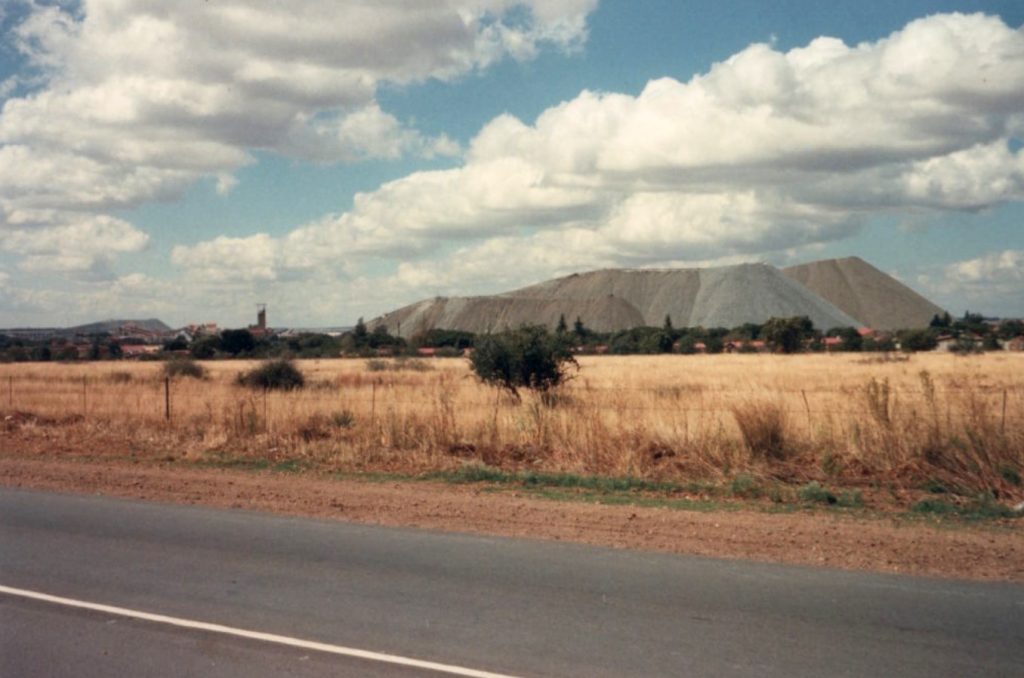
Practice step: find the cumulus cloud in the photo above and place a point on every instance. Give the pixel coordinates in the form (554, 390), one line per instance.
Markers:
(1001, 269)
(85, 247)
(766, 152)
(992, 281)
(137, 99)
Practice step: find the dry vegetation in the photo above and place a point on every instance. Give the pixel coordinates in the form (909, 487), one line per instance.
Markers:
(949, 423)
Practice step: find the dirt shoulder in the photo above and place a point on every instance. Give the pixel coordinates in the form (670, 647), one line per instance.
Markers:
(982, 552)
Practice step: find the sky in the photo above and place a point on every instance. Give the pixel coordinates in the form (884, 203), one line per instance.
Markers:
(337, 160)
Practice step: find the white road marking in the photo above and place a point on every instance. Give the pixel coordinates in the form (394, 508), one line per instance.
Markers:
(254, 635)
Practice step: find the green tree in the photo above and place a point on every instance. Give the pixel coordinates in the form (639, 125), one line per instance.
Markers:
(1008, 329)
(530, 357)
(561, 328)
(687, 345)
(205, 348)
(917, 340)
(360, 333)
(176, 344)
(852, 341)
(237, 341)
(786, 335)
(381, 338)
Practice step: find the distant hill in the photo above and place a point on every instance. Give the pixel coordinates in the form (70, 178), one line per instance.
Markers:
(104, 326)
(877, 300)
(616, 299)
(150, 325)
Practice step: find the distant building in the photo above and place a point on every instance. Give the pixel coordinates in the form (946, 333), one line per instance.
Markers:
(259, 330)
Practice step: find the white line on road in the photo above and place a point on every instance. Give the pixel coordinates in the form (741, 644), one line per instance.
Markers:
(254, 635)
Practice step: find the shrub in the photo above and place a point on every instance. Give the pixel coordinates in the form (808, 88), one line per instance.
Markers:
(764, 427)
(529, 357)
(184, 368)
(273, 374)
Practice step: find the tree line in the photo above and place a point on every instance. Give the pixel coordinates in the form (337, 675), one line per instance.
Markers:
(780, 335)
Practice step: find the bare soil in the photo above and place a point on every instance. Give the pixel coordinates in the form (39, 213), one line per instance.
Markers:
(987, 551)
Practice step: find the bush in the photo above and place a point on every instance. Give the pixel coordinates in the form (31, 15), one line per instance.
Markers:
(764, 427)
(273, 374)
(529, 357)
(184, 368)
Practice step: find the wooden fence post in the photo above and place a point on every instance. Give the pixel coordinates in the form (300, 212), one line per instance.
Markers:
(167, 398)
(1002, 426)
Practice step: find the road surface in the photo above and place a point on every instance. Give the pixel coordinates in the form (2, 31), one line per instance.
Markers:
(514, 607)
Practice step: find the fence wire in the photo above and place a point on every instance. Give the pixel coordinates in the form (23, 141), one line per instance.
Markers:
(165, 398)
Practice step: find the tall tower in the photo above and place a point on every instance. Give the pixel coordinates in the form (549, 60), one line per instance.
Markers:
(261, 316)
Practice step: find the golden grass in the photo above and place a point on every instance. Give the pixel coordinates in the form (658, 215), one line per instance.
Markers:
(845, 418)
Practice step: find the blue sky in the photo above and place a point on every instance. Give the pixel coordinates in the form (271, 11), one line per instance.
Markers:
(188, 161)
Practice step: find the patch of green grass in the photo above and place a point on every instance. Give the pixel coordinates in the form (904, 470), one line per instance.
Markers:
(478, 473)
(290, 466)
(254, 464)
(746, 486)
(983, 506)
(815, 493)
(703, 505)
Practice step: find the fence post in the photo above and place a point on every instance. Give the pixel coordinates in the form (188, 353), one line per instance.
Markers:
(10, 391)
(85, 400)
(1002, 425)
(266, 424)
(167, 398)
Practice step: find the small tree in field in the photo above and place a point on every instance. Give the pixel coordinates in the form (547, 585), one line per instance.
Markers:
(529, 357)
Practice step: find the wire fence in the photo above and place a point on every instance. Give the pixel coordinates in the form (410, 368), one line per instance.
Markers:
(166, 398)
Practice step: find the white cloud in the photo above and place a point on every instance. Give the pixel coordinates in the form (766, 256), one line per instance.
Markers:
(1000, 268)
(253, 258)
(767, 152)
(993, 282)
(87, 246)
(140, 98)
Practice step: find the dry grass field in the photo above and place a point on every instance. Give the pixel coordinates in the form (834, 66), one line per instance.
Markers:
(855, 421)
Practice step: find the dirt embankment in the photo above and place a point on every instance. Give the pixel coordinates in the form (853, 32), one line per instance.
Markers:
(990, 552)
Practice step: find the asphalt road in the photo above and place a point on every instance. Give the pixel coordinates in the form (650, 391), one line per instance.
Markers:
(509, 606)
